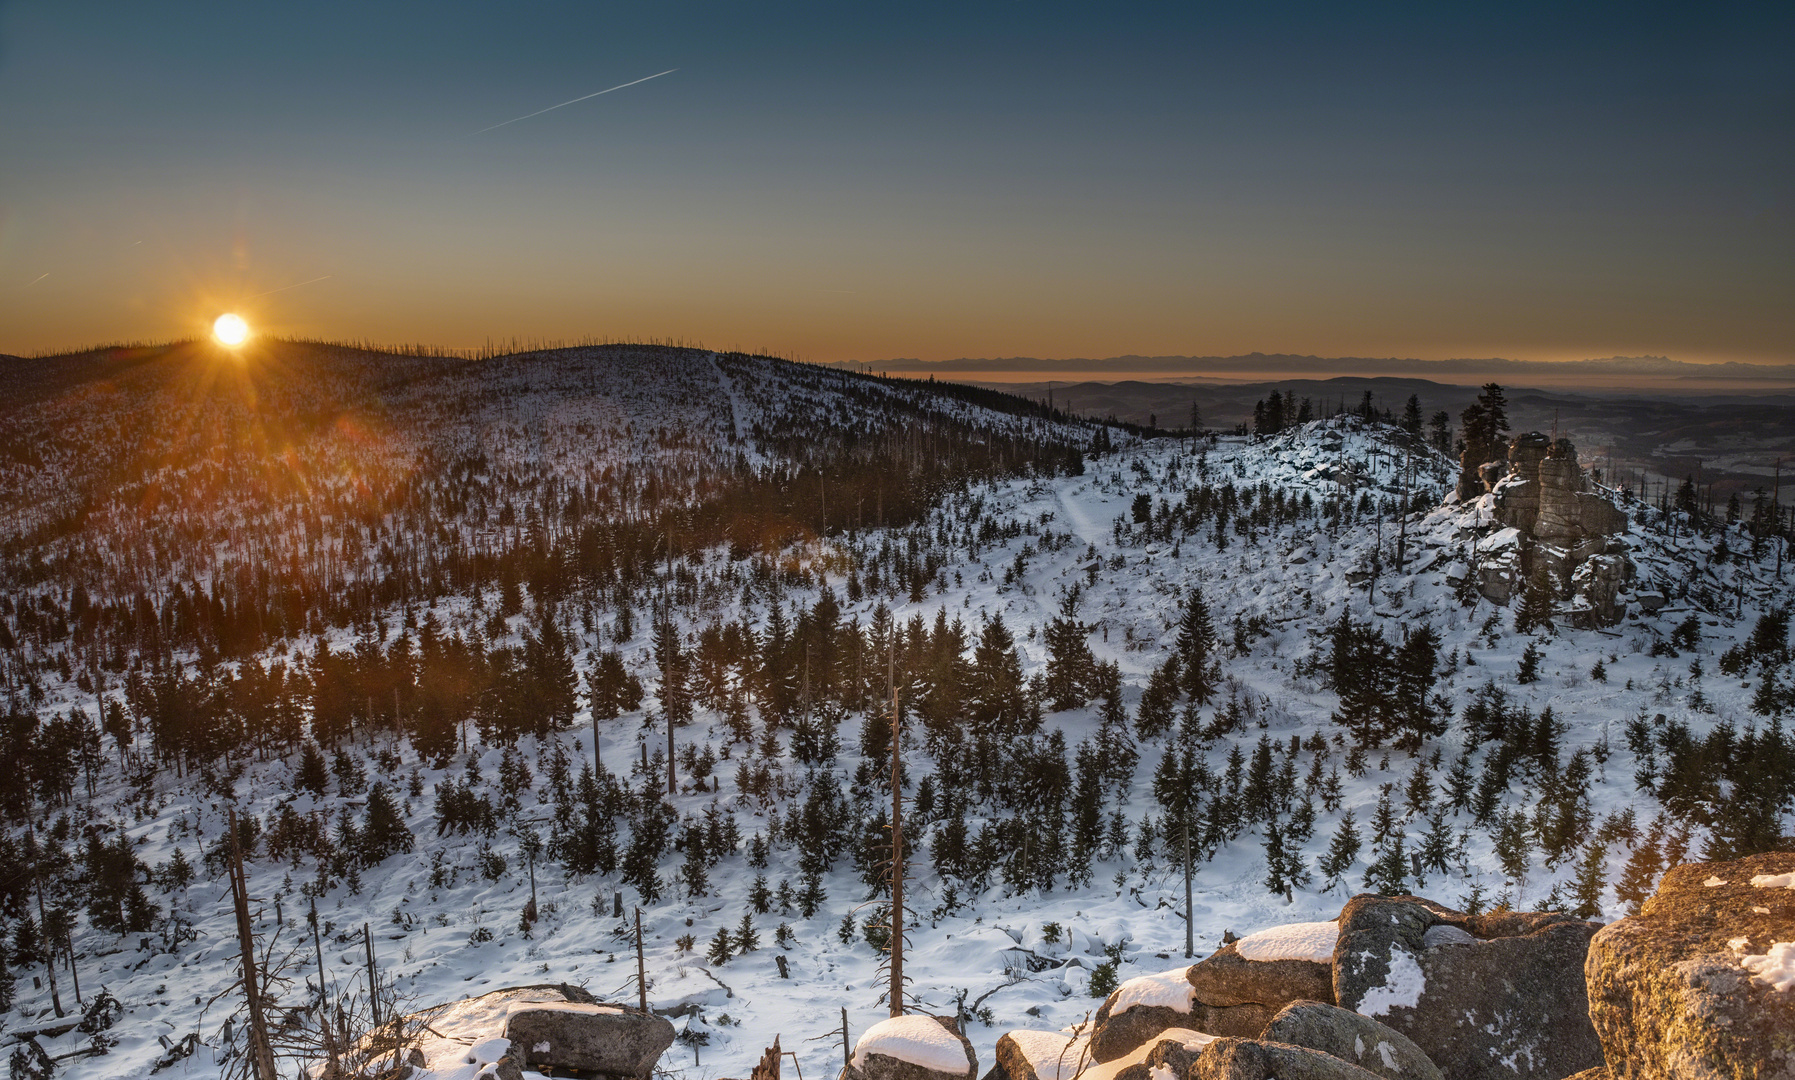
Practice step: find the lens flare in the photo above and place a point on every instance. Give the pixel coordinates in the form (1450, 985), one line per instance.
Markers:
(230, 330)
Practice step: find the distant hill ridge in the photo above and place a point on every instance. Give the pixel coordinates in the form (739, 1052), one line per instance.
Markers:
(1613, 366)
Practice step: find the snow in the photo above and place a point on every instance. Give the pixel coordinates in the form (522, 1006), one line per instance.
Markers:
(1500, 540)
(1773, 881)
(1292, 941)
(1713, 881)
(1774, 968)
(1053, 1055)
(1166, 990)
(1446, 934)
(487, 1051)
(1401, 988)
(919, 1040)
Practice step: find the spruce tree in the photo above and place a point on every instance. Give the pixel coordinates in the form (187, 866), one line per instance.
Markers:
(1071, 668)
(383, 832)
(1388, 873)
(1592, 876)
(1460, 783)
(312, 774)
(1411, 688)
(747, 939)
(1535, 611)
(1436, 846)
(1639, 878)
(1342, 851)
(1159, 701)
(1528, 672)
(1199, 670)
(1511, 844)
(721, 947)
(1418, 793)
(1257, 797)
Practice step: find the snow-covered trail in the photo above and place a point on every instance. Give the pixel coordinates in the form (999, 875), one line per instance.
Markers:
(735, 400)
(1076, 513)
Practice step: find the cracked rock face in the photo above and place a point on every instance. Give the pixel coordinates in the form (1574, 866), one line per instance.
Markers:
(1686, 987)
(1508, 1004)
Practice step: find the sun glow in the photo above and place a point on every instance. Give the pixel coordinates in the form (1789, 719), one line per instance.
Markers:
(230, 330)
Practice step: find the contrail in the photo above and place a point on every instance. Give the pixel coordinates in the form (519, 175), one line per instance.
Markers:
(37, 279)
(575, 101)
(284, 288)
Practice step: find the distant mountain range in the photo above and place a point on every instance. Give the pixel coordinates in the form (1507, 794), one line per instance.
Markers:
(1614, 370)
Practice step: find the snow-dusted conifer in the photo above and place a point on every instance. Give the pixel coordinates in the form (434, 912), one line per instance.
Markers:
(1342, 851)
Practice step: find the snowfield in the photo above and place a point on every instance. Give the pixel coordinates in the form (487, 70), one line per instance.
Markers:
(446, 918)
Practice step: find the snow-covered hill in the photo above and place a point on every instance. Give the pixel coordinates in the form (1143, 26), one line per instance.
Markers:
(1042, 866)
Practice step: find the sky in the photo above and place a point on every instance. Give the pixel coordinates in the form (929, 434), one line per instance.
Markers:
(852, 181)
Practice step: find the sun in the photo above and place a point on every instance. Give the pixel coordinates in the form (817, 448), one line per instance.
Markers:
(230, 330)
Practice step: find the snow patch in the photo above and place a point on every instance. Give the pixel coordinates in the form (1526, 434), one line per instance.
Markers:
(1292, 941)
(1401, 989)
(1774, 881)
(919, 1040)
(487, 1051)
(1775, 968)
(1388, 1056)
(1166, 990)
(1446, 934)
(1713, 881)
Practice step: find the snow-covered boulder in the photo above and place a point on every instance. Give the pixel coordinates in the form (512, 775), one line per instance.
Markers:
(460, 1039)
(1499, 996)
(914, 1047)
(1702, 981)
(1166, 1056)
(590, 1038)
(1256, 1059)
(1236, 991)
(1351, 1037)
(550, 1027)
(1141, 1008)
(1039, 1055)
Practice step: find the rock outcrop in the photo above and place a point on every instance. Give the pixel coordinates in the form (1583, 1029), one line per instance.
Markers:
(1500, 996)
(1350, 1037)
(914, 1047)
(1397, 988)
(1255, 1059)
(605, 1039)
(1595, 592)
(1701, 983)
(1558, 523)
(1226, 994)
(551, 1027)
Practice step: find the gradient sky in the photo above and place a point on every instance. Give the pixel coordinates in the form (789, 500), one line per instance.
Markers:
(846, 181)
